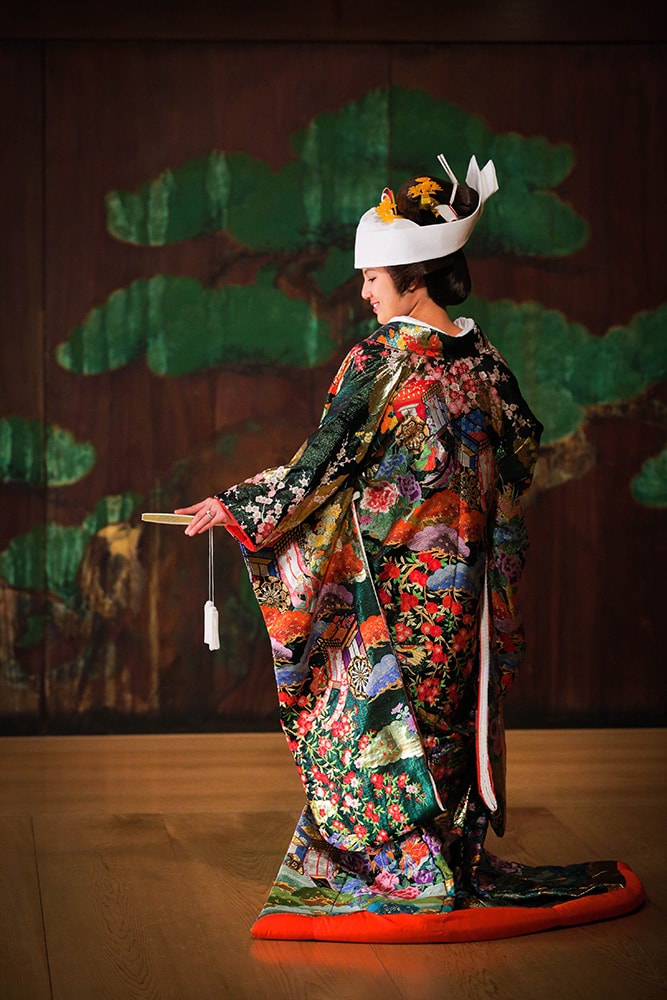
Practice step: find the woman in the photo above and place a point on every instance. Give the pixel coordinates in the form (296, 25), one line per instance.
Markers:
(385, 558)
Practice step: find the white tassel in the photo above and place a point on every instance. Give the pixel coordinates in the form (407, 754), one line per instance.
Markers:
(211, 632)
(211, 624)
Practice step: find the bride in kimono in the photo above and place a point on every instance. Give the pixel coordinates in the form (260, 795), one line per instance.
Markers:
(385, 558)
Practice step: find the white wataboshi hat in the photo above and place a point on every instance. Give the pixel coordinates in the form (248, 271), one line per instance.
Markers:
(385, 238)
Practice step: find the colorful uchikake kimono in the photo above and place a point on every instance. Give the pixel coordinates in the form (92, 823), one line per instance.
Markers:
(385, 558)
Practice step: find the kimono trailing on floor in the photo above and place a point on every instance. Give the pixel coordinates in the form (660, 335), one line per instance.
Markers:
(385, 558)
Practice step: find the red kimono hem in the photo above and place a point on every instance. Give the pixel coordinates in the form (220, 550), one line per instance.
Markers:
(456, 926)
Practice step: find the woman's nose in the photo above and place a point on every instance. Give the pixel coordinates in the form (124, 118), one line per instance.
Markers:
(365, 293)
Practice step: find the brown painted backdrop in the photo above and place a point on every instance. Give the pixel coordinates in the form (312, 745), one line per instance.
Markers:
(83, 117)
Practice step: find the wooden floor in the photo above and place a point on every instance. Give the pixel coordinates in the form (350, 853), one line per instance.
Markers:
(133, 867)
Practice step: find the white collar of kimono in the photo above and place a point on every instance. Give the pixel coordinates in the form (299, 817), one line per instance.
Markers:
(464, 322)
(400, 241)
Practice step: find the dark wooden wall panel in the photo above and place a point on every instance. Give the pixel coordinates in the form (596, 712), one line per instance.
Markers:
(605, 102)
(337, 20)
(21, 342)
(116, 115)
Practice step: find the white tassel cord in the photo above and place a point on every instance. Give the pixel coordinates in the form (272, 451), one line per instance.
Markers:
(211, 624)
(484, 775)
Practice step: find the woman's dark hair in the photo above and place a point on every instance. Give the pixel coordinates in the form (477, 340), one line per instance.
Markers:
(447, 279)
(448, 283)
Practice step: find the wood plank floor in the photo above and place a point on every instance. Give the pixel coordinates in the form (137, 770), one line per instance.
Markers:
(133, 867)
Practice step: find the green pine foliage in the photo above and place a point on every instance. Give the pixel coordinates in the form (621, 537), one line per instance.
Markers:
(649, 486)
(185, 328)
(36, 455)
(49, 556)
(342, 163)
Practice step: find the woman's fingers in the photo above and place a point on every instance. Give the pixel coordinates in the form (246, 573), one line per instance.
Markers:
(194, 509)
(205, 515)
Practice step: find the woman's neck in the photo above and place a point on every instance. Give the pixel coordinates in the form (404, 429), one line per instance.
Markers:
(428, 312)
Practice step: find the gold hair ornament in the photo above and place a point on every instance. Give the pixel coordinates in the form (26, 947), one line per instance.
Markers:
(387, 208)
(424, 190)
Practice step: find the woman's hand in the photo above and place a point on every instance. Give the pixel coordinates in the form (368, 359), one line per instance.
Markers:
(206, 514)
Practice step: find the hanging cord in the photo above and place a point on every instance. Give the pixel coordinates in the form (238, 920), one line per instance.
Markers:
(484, 772)
(211, 626)
(211, 574)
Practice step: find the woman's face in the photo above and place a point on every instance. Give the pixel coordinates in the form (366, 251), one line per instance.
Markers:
(379, 289)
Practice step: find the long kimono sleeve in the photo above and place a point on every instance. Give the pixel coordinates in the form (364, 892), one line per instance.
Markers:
(506, 554)
(272, 503)
(508, 538)
(509, 544)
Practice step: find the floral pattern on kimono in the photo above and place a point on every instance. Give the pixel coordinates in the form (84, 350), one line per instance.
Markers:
(367, 554)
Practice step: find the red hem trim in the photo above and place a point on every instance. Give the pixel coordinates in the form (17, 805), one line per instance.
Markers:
(456, 926)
